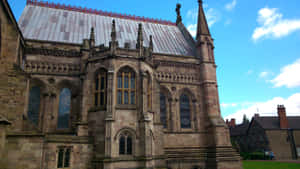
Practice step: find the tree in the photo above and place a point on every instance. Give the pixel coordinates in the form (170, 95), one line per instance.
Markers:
(245, 119)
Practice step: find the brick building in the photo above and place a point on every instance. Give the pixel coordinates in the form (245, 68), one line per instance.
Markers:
(88, 89)
(281, 135)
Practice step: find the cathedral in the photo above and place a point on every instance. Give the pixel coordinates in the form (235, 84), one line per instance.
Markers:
(88, 89)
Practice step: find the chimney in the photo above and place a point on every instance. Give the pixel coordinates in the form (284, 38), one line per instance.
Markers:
(232, 122)
(282, 117)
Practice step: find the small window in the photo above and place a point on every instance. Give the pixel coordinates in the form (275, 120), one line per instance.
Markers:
(125, 144)
(33, 112)
(100, 89)
(126, 87)
(63, 158)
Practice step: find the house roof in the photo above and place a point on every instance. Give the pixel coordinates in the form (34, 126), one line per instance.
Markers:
(273, 122)
(60, 23)
(239, 130)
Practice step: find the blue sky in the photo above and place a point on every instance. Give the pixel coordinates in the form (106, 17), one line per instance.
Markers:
(257, 47)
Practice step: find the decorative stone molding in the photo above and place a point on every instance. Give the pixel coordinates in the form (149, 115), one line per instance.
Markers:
(53, 52)
(174, 77)
(175, 64)
(47, 67)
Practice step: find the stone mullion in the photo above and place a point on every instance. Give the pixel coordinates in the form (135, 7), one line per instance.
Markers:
(46, 106)
(110, 84)
(156, 102)
(175, 115)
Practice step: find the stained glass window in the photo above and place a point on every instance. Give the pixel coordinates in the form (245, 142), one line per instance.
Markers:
(126, 86)
(34, 105)
(185, 112)
(64, 109)
(163, 110)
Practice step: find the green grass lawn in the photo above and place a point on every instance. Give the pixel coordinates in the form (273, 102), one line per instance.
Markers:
(269, 165)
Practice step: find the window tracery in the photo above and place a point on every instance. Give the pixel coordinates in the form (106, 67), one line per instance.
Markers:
(126, 86)
(125, 144)
(101, 89)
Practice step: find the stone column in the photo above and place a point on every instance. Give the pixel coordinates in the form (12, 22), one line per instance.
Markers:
(109, 114)
(86, 103)
(3, 151)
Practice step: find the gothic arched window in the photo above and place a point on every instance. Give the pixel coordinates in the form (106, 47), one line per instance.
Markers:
(33, 112)
(100, 89)
(126, 87)
(125, 144)
(185, 111)
(64, 109)
(163, 110)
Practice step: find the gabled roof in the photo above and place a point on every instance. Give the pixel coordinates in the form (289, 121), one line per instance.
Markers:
(61, 23)
(273, 122)
(239, 130)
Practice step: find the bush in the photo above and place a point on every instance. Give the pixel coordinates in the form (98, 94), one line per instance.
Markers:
(254, 156)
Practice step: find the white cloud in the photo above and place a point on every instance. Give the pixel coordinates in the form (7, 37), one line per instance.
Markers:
(231, 5)
(272, 24)
(212, 16)
(263, 74)
(227, 105)
(289, 76)
(192, 28)
(269, 108)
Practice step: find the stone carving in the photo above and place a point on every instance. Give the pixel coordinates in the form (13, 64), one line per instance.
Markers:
(175, 64)
(47, 67)
(174, 77)
(52, 52)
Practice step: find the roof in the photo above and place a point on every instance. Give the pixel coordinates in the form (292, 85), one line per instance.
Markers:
(273, 122)
(239, 130)
(61, 23)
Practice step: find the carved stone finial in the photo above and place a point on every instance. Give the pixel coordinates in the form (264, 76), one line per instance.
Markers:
(113, 44)
(151, 44)
(113, 31)
(200, 1)
(92, 37)
(179, 19)
(140, 40)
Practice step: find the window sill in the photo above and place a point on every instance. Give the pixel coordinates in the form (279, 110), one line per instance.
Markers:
(126, 106)
(95, 109)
